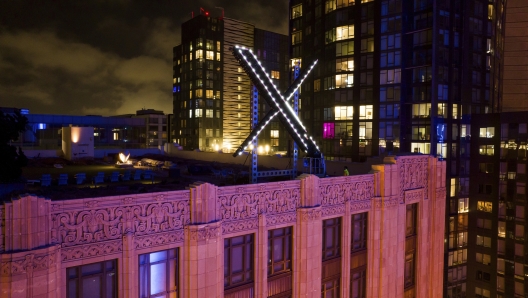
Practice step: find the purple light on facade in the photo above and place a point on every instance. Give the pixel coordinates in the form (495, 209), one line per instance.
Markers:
(328, 130)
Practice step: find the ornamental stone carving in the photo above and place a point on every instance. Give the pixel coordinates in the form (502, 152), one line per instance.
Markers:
(333, 210)
(283, 218)
(360, 206)
(388, 202)
(413, 173)
(344, 189)
(310, 214)
(239, 226)
(28, 263)
(234, 205)
(413, 196)
(141, 242)
(91, 250)
(207, 232)
(89, 226)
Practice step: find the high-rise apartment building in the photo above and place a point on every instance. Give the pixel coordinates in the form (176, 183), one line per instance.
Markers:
(497, 250)
(402, 76)
(212, 94)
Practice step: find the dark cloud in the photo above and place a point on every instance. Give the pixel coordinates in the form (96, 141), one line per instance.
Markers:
(103, 57)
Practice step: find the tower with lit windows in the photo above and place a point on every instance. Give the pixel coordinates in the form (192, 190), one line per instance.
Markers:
(211, 93)
(403, 76)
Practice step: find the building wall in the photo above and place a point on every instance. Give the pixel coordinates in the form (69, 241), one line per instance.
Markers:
(236, 110)
(421, 68)
(497, 248)
(515, 91)
(42, 240)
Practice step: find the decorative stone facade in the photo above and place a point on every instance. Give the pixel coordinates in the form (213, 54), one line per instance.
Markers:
(40, 238)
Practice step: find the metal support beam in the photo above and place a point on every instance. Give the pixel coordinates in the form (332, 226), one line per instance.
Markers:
(296, 71)
(254, 122)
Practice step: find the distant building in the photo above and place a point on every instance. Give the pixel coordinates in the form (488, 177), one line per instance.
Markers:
(147, 128)
(44, 131)
(379, 234)
(156, 126)
(211, 93)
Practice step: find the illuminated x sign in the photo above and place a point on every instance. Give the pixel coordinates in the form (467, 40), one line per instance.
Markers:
(278, 102)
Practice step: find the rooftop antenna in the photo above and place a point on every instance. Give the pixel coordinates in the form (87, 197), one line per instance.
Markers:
(206, 13)
(218, 7)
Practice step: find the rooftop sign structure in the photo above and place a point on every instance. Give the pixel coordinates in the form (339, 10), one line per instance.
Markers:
(278, 102)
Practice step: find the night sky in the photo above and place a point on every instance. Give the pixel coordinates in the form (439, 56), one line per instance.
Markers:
(103, 57)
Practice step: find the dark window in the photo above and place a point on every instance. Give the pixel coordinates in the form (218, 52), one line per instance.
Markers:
(158, 274)
(238, 261)
(410, 245)
(330, 289)
(331, 238)
(279, 250)
(92, 280)
(409, 270)
(359, 231)
(410, 220)
(358, 284)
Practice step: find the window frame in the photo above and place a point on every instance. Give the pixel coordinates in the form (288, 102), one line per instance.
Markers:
(247, 245)
(79, 278)
(287, 248)
(148, 265)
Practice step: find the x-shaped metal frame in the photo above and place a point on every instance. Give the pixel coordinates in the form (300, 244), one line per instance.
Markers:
(279, 103)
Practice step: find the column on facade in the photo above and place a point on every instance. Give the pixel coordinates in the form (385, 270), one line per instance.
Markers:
(430, 269)
(30, 264)
(346, 234)
(386, 241)
(203, 245)
(308, 240)
(261, 253)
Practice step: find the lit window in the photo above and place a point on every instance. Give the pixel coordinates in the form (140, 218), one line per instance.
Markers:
(198, 54)
(484, 206)
(365, 112)
(158, 273)
(208, 113)
(344, 80)
(343, 112)
(274, 133)
(344, 32)
(209, 55)
(317, 85)
(345, 64)
(463, 205)
(486, 150)
(275, 74)
(296, 11)
(487, 132)
(330, 5)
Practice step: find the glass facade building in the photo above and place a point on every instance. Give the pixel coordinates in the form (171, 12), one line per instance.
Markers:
(402, 76)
